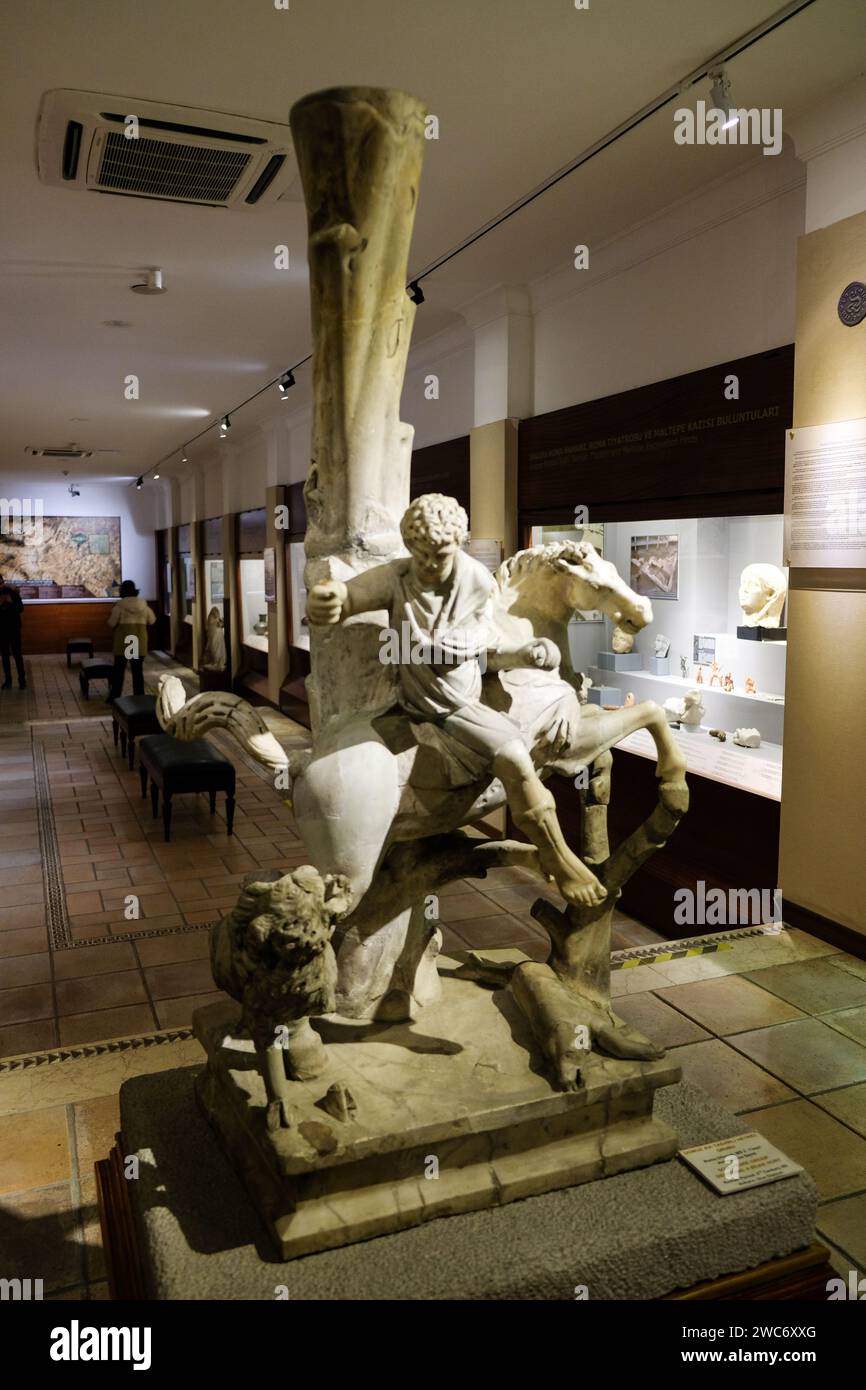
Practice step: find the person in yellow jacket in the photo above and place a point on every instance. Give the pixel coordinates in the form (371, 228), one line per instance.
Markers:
(130, 618)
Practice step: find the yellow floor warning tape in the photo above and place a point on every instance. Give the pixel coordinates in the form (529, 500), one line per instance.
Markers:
(672, 955)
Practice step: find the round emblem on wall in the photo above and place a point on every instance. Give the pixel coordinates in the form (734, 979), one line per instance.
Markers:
(852, 304)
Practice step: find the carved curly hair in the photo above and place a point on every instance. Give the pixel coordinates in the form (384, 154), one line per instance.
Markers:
(434, 518)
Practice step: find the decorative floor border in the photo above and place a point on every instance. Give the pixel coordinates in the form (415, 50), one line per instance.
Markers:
(76, 1051)
(57, 918)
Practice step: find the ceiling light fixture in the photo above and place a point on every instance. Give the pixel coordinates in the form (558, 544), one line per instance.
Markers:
(720, 99)
(285, 385)
(415, 293)
(225, 426)
(156, 477)
(139, 483)
(152, 283)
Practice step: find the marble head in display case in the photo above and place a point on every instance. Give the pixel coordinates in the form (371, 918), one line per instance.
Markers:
(762, 594)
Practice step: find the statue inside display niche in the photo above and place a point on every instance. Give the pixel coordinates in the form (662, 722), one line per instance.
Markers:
(762, 593)
(410, 754)
(215, 642)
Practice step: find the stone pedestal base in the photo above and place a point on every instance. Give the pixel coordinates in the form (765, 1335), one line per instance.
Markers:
(640, 1235)
(452, 1114)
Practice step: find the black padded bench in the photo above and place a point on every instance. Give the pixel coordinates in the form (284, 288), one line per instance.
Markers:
(78, 644)
(133, 716)
(95, 670)
(176, 766)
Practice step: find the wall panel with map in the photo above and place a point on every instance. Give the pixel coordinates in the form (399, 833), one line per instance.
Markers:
(63, 557)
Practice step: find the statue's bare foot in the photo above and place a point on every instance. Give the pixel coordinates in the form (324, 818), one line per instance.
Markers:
(579, 885)
(615, 1037)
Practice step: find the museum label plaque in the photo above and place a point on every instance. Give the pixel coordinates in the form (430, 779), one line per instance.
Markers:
(742, 1161)
(825, 496)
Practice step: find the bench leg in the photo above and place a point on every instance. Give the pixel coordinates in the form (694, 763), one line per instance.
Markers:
(131, 752)
(142, 772)
(123, 742)
(166, 815)
(154, 799)
(69, 661)
(230, 812)
(212, 796)
(115, 729)
(85, 688)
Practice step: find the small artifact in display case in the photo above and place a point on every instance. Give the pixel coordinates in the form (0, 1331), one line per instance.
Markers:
(699, 675)
(673, 710)
(750, 687)
(689, 710)
(719, 734)
(715, 673)
(693, 709)
(659, 662)
(628, 701)
(762, 593)
(728, 683)
(261, 627)
(747, 738)
(684, 668)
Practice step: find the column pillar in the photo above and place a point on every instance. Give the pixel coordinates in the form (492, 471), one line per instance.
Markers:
(278, 611)
(823, 790)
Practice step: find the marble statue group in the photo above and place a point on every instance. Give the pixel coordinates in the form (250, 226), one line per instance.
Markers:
(408, 758)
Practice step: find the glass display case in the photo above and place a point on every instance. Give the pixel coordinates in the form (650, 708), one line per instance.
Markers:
(691, 572)
(298, 596)
(187, 587)
(214, 586)
(254, 610)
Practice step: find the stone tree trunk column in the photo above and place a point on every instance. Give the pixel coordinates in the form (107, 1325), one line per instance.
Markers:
(359, 151)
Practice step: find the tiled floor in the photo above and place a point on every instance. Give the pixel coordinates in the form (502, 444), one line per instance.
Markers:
(122, 947)
(773, 1025)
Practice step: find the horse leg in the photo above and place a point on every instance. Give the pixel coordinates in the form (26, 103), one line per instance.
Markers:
(601, 729)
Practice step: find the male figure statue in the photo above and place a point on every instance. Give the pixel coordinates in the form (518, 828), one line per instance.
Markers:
(444, 597)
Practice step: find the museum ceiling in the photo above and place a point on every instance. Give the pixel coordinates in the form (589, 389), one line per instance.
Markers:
(519, 89)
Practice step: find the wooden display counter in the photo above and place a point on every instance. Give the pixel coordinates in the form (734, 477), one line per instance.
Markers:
(47, 624)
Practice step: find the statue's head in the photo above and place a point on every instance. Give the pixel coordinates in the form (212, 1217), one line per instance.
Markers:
(434, 528)
(762, 594)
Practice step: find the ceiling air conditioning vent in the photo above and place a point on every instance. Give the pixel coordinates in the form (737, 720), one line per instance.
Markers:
(178, 154)
(70, 452)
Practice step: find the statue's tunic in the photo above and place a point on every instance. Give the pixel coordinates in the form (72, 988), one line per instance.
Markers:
(442, 635)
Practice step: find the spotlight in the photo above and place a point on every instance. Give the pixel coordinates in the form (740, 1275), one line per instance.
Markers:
(156, 477)
(720, 97)
(184, 459)
(225, 426)
(415, 293)
(139, 483)
(286, 384)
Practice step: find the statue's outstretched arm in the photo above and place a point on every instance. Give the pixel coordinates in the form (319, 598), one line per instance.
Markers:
(541, 653)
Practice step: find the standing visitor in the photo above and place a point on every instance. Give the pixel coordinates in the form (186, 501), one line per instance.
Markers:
(11, 609)
(130, 619)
